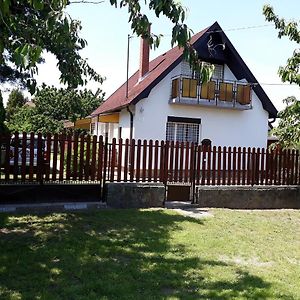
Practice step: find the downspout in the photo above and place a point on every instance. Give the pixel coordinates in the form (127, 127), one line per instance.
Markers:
(131, 122)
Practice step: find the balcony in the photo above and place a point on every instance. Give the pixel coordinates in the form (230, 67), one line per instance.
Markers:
(215, 93)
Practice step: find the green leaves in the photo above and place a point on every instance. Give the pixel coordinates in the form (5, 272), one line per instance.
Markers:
(288, 129)
(290, 72)
(34, 26)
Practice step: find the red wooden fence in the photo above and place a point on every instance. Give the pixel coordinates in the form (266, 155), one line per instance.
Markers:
(30, 158)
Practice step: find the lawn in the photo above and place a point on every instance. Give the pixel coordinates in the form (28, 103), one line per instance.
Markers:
(150, 254)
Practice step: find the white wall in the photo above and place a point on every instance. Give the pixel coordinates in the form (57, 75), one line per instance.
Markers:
(225, 127)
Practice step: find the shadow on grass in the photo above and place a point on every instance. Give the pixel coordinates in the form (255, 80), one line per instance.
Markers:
(111, 254)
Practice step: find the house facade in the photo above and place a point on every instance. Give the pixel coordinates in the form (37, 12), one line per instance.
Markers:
(165, 100)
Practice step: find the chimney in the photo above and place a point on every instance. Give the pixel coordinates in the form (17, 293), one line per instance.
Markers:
(144, 57)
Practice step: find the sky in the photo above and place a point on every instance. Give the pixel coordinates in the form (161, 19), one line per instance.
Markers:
(106, 30)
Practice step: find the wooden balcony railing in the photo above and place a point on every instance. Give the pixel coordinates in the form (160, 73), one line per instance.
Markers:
(226, 93)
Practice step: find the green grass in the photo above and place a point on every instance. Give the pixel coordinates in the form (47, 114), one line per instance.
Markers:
(150, 254)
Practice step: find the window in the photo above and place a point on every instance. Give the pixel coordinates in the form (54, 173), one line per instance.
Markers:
(182, 129)
(218, 72)
(189, 88)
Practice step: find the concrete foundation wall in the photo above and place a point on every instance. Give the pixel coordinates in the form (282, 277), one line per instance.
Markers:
(134, 195)
(248, 197)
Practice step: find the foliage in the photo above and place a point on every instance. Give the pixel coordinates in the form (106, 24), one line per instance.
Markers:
(288, 129)
(29, 27)
(150, 254)
(290, 29)
(2, 115)
(16, 100)
(52, 107)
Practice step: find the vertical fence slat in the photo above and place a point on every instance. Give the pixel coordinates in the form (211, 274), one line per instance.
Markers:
(224, 166)
(62, 156)
(203, 173)
(75, 157)
(113, 160)
(31, 157)
(166, 162)
(257, 166)
(94, 154)
(7, 156)
(69, 157)
(253, 170)
(233, 166)
(296, 167)
(284, 158)
(229, 166)
(150, 161)
(219, 165)
(244, 154)
(186, 162)
(16, 149)
(144, 162)
(155, 171)
(138, 160)
(249, 173)
(288, 166)
(208, 166)
(279, 177)
(100, 159)
(292, 166)
(54, 160)
(24, 156)
(132, 160)
(271, 162)
(214, 158)
(119, 165)
(181, 161)
(161, 161)
(239, 157)
(171, 166)
(39, 158)
(262, 167)
(87, 166)
(126, 156)
(275, 167)
(48, 150)
(81, 157)
(176, 163)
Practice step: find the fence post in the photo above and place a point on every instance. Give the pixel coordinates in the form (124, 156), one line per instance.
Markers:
(104, 168)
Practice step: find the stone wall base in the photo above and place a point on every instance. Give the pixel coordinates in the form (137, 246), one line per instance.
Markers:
(249, 197)
(134, 195)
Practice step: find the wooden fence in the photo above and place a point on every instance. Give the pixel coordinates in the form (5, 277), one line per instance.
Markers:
(30, 158)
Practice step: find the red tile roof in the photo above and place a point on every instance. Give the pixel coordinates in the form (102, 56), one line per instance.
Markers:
(135, 87)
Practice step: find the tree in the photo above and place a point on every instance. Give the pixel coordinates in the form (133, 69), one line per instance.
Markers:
(54, 106)
(3, 128)
(288, 129)
(15, 101)
(291, 29)
(29, 27)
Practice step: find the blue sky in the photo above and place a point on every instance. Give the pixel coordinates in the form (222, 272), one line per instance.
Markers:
(106, 28)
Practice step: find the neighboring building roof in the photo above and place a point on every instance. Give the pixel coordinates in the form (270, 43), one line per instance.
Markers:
(29, 104)
(165, 63)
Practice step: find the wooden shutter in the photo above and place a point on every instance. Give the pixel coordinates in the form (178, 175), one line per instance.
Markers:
(226, 92)
(193, 88)
(185, 87)
(208, 90)
(243, 94)
(175, 88)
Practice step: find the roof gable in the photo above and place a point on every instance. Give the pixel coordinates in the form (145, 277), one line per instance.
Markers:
(165, 63)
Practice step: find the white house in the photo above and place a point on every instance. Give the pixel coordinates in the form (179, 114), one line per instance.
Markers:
(164, 100)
